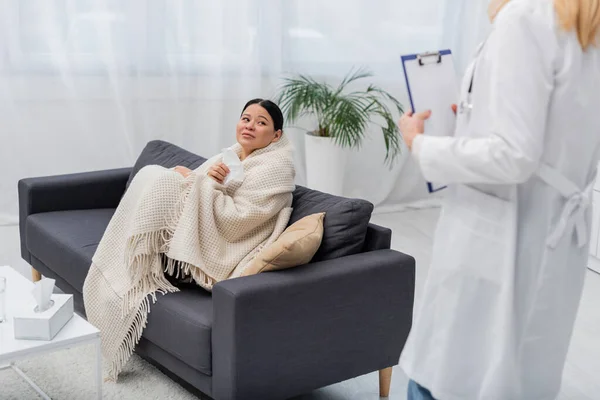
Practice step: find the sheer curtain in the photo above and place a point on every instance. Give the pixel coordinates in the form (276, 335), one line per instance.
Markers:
(85, 84)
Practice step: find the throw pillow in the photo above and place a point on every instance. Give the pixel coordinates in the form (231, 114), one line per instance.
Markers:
(295, 246)
(345, 225)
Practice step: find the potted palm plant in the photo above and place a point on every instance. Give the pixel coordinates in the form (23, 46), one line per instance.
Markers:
(342, 119)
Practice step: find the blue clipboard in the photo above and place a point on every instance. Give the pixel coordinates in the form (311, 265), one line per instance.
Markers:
(423, 60)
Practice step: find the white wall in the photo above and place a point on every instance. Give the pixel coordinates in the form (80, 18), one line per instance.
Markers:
(54, 126)
(59, 114)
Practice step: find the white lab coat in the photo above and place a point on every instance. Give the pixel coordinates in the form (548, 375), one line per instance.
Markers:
(510, 250)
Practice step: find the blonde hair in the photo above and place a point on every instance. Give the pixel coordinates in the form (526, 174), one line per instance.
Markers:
(580, 15)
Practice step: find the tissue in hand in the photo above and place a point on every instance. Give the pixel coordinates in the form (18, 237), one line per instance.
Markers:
(44, 314)
(236, 169)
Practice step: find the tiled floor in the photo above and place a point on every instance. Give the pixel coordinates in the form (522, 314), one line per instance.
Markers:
(413, 233)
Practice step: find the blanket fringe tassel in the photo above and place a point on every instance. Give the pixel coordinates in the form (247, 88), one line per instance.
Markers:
(132, 338)
(144, 260)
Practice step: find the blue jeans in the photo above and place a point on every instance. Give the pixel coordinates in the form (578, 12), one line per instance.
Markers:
(418, 392)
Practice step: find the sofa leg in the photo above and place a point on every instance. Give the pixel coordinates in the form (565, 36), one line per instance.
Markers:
(385, 380)
(35, 275)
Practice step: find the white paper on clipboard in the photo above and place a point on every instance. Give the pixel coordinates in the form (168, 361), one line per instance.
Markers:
(432, 84)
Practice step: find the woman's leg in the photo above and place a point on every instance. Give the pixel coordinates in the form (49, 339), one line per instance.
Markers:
(418, 392)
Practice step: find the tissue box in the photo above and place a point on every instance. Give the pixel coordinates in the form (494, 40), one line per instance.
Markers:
(45, 325)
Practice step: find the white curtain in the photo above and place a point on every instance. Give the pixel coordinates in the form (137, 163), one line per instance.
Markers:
(85, 84)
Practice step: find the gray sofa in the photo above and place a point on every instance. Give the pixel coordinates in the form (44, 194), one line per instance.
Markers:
(275, 335)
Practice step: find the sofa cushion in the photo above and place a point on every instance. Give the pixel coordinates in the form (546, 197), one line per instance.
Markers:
(345, 225)
(66, 240)
(181, 324)
(165, 154)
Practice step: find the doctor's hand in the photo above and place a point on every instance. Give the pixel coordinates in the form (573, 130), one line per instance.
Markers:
(411, 125)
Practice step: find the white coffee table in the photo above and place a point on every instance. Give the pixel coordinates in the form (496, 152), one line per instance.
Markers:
(76, 332)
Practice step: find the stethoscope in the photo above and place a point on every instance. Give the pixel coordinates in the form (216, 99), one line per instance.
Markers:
(466, 106)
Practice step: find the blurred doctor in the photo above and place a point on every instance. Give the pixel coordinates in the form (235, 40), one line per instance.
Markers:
(511, 246)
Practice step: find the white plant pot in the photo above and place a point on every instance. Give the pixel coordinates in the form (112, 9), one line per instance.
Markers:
(325, 164)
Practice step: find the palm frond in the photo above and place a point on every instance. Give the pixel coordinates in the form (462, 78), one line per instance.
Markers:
(387, 96)
(390, 131)
(391, 136)
(303, 95)
(353, 76)
(345, 117)
(347, 120)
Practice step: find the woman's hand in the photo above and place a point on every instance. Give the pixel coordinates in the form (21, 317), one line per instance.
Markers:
(218, 172)
(412, 125)
(183, 171)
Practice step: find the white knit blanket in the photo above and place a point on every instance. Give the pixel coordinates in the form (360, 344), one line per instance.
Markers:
(192, 227)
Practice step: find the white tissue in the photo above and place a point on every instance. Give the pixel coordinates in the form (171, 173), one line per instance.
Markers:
(236, 169)
(42, 293)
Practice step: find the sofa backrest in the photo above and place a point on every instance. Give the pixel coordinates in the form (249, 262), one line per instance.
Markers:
(168, 155)
(346, 225)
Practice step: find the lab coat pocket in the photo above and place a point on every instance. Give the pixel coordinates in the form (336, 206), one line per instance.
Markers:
(478, 231)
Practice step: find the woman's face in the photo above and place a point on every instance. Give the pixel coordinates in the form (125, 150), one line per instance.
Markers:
(256, 130)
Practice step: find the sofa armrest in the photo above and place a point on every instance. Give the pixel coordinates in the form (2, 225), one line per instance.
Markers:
(280, 334)
(87, 190)
(377, 238)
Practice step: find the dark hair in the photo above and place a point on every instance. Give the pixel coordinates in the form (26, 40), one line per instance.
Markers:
(272, 109)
